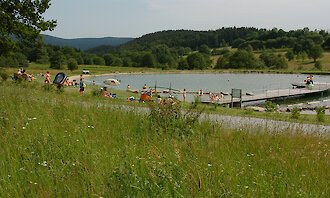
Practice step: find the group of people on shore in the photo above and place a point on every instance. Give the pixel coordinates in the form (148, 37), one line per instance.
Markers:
(67, 82)
(21, 73)
(104, 92)
(310, 80)
(147, 95)
(216, 97)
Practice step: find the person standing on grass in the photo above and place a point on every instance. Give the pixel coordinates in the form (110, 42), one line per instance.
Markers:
(47, 80)
(184, 93)
(82, 86)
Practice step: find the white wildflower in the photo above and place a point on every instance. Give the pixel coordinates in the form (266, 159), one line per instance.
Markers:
(44, 163)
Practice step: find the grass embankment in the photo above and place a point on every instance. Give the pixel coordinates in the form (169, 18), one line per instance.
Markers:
(295, 66)
(303, 118)
(208, 108)
(58, 145)
(212, 109)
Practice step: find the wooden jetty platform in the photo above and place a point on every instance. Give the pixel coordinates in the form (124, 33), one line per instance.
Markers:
(276, 94)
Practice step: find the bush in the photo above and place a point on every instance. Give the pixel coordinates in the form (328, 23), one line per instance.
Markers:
(270, 106)
(318, 65)
(58, 60)
(295, 113)
(4, 75)
(320, 113)
(172, 120)
(72, 65)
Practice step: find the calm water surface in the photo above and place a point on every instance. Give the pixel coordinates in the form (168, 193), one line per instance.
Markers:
(255, 83)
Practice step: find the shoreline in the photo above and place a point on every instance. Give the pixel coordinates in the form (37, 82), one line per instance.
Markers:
(76, 77)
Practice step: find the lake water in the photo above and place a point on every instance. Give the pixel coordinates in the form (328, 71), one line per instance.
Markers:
(216, 82)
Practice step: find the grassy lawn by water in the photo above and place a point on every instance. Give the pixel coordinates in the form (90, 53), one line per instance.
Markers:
(295, 66)
(59, 144)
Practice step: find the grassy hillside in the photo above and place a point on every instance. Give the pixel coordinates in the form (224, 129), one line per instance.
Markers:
(57, 144)
(297, 66)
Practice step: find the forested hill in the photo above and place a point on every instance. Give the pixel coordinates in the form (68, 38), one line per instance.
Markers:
(225, 48)
(85, 43)
(235, 37)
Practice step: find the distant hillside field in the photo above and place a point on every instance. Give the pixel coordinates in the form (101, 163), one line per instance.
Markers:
(85, 43)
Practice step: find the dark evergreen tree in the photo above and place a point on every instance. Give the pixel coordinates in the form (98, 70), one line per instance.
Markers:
(72, 64)
(58, 60)
(148, 60)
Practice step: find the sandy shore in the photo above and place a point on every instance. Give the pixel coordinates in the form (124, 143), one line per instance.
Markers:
(77, 77)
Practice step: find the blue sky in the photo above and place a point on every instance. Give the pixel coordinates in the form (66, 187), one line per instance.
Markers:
(135, 18)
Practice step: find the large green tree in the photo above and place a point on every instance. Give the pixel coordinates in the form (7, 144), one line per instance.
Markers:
(197, 61)
(242, 59)
(72, 64)
(148, 60)
(315, 52)
(22, 19)
(58, 60)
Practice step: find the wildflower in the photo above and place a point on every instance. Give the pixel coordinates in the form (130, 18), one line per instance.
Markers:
(209, 164)
(44, 163)
(35, 183)
(34, 118)
(247, 187)
(23, 127)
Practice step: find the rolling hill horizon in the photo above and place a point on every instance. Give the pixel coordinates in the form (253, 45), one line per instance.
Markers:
(85, 43)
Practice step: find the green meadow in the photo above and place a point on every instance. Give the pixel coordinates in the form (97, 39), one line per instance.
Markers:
(60, 144)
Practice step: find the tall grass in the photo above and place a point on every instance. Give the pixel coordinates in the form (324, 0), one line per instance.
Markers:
(58, 145)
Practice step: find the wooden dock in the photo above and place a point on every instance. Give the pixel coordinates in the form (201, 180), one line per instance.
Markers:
(276, 94)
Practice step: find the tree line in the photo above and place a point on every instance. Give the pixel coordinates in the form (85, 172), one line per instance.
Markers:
(183, 49)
